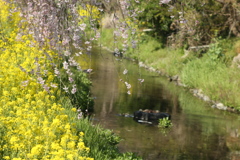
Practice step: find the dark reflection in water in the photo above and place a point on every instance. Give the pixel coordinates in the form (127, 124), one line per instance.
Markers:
(198, 132)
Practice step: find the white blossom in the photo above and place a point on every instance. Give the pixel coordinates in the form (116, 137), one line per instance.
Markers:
(165, 1)
(125, 71)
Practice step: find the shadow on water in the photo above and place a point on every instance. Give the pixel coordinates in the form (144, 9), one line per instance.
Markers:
(199, 132)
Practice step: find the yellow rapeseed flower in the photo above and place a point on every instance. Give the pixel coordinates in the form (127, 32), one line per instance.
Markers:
(71, 145)
(6, 157)
(81, 134)
(70, 156)
(35, 123)
(14, 139)
(74, 109)
(81, 145)
(36, 150)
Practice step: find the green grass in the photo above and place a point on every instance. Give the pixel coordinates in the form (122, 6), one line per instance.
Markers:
(152, 53)
(107, 39)
(219, 82)
(102, 142)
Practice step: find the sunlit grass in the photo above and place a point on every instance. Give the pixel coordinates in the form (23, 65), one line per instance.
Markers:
(107, 39)
(152, 53)
(217, 80)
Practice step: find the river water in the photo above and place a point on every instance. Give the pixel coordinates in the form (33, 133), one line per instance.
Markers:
(199, 132)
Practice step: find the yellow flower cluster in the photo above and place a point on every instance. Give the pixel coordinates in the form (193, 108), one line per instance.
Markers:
(89, 12)
(6, 24)
(33, 125)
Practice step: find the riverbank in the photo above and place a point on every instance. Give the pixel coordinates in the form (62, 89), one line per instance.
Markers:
(211, 75)
(38, 116)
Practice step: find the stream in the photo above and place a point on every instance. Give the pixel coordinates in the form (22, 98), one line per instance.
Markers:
(199, 132)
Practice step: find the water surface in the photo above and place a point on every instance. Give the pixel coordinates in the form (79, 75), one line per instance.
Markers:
(198, 132)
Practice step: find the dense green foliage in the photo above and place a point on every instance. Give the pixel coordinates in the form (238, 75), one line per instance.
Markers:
(189, 23)
(82, 98)
(156, 17)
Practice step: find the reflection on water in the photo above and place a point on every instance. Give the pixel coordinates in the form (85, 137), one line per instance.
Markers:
(198, 132)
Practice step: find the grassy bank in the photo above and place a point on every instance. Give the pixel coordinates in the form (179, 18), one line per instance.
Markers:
(102, 142)
(211, 71)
